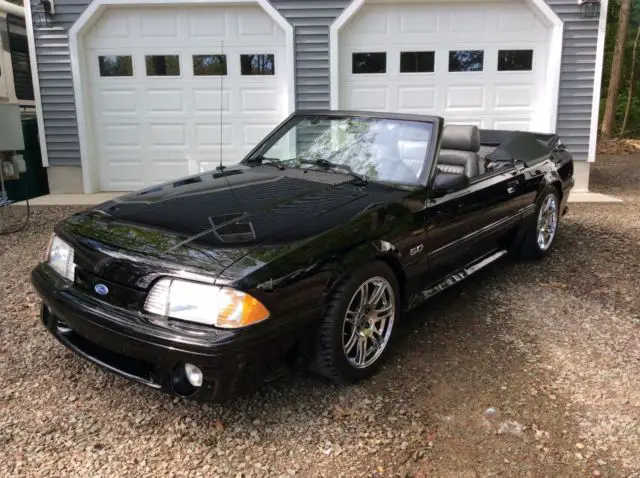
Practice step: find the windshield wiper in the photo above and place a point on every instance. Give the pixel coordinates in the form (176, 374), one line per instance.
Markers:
(270, 161)
(327, 164)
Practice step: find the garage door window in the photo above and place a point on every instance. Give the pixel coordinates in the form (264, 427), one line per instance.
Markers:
(209, 65)
(417, 62)
(515, 60)
(115, 65)
(369, 63)
(258, 64)
(163, 65)
(466, 60)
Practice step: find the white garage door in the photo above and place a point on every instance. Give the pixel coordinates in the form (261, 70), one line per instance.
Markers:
(155, 80)
(480, 63)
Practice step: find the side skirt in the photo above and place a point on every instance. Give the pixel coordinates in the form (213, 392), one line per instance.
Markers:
(454, 278)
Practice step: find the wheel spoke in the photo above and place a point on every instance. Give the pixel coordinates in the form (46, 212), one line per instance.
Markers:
(376, 342)
(377, 294)
(378, 326)
(384, 313)
(364, 297)
(352, 341)
(351, 317)
(361, 350)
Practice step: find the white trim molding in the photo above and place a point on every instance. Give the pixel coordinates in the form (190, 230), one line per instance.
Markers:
(35, 79)
(82, 95)
(597, 82)
(548, 117)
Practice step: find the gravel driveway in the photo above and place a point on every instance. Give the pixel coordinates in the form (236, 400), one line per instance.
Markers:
(527, 369)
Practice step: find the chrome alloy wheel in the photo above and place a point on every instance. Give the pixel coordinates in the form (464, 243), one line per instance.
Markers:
(547, 222)
(368, 322)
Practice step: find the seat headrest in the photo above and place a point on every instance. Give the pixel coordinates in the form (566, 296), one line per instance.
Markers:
(461, 137)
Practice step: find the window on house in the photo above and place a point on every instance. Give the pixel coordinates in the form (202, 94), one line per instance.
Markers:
(115, 65)
(417, 61)
(163, 65)
(369, 63)
(209, 65)
(466, 60)
(515, 60)
(258, 64)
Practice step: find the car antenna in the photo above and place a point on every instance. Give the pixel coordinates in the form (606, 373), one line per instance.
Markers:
(221, 167)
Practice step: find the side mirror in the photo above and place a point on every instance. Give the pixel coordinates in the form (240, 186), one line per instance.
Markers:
(446, 183)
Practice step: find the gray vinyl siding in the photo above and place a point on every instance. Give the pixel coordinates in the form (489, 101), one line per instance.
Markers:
(56, 87)
(577, 75)
(311, 20)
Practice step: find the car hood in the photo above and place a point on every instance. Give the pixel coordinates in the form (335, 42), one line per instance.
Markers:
(209, 221)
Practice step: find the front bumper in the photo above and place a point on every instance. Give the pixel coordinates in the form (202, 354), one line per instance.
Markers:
(131, 345)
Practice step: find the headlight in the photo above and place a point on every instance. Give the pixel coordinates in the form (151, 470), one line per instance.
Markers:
(60, 258)
(204, 304)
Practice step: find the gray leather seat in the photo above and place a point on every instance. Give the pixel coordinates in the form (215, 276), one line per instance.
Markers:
(459, 150)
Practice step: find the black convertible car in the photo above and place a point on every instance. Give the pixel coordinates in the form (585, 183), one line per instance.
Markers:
(306, 253)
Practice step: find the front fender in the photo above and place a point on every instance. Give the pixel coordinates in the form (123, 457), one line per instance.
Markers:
(363, 254)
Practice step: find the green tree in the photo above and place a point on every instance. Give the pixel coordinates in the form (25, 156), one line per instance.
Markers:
(629, 83)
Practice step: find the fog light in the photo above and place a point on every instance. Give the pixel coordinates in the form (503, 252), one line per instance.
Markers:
(194, 374)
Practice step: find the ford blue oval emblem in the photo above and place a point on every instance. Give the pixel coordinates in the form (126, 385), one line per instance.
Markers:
(101, 289)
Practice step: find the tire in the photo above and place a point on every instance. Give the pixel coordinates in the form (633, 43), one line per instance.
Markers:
(541, 233)
(336, 356)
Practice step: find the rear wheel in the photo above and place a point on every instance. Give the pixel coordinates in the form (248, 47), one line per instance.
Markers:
(541, 234)
(358, 324)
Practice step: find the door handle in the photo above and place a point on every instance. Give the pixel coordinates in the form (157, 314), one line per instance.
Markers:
(511, 187)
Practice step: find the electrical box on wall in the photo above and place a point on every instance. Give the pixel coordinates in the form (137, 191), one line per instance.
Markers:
(10, 128)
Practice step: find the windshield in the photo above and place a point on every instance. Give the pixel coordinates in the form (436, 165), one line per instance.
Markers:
(376, 149)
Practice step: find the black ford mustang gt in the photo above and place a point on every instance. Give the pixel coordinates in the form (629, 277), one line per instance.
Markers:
(305, 253)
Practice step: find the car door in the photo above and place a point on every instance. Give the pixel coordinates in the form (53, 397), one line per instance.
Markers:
(464, 225)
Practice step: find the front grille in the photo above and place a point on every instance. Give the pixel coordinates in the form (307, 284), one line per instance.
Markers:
(117, 295)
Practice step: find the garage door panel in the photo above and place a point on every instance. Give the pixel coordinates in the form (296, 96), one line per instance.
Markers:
(201, 25)
(167, 135)
(466, 97)
(514, 96)
(113, 26)
(158, 24)
(165, 100)
(516, 22)
(459, 91)
(467, 23)
(417, 98)
(121, 135)
(260, 100)
(254, 23)
(208, 134)
(417, 21)
(118, 102)
(363, 98)
(373, 22)
(208, 100)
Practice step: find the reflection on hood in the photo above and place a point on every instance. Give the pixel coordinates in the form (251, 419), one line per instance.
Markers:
(253, 206)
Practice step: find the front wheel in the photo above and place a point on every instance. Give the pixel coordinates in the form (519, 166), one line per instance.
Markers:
(357, 327)
(542, 232)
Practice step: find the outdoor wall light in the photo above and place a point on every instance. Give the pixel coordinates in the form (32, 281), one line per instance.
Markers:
(589, 8)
